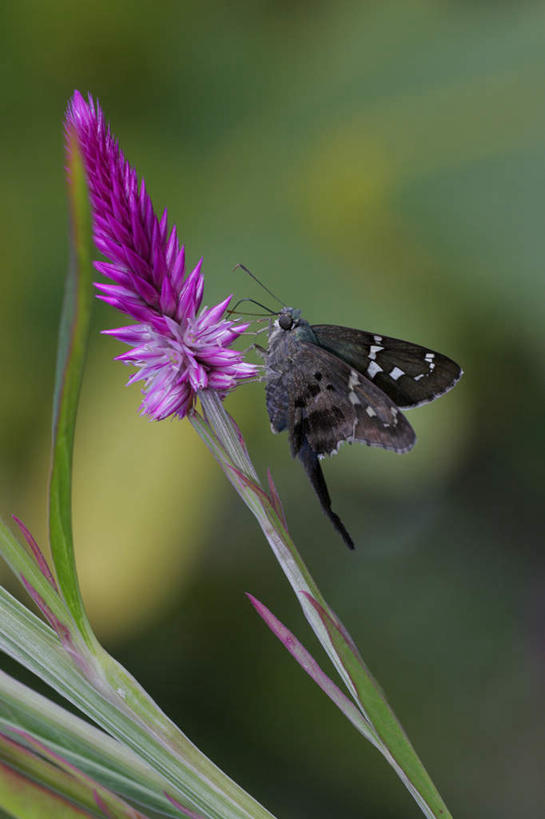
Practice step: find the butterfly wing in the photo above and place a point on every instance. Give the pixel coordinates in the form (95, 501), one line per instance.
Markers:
(324, 402)
(330, 402)
(409, 374)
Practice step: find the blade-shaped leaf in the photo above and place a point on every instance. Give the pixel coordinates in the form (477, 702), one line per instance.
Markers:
(20, 796)
(57, 776)
(105, 695)
(394, 742)
(309, 664)
(111, 763)
(73, 335)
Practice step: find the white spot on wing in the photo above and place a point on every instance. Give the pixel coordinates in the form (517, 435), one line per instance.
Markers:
(429, 359)
(373, 369)
(374, 350)
(378, 339)
(370, 412)
(353, 381)
(396, 373)
(418, 377)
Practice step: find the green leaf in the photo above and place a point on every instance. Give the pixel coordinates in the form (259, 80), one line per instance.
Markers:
(106, 693)
(394, 744)
(50, 777)
(20, 796)
(73, 335)
(105, 759)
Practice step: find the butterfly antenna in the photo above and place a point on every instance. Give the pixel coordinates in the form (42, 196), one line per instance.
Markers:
(249, 272)
(258, 303)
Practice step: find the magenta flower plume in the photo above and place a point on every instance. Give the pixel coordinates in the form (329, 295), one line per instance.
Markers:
(177, 352)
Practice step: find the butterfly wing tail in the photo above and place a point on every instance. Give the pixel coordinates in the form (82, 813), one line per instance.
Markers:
(312, 467)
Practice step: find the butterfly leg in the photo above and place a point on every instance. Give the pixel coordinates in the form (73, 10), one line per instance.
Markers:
(258, 348)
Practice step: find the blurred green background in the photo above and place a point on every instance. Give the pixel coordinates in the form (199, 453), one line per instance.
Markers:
(380, 165)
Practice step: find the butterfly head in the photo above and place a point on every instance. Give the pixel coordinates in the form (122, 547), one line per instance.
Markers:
(288, 318)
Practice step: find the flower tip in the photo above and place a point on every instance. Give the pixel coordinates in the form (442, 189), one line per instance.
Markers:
(76, 98)
(75, 107)
(82, 114)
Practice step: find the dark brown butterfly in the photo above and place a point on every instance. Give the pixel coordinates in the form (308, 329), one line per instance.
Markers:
(329, 384)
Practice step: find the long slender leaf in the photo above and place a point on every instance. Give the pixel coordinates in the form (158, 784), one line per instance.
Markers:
(56, 775)
(309, 664)
(73, 335)
(21, 797)
(394, 742)
(108, 761)
(189, 776)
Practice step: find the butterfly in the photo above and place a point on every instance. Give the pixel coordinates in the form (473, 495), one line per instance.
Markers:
(327, 384)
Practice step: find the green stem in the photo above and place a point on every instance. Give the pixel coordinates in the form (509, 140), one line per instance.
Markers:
(380, 725)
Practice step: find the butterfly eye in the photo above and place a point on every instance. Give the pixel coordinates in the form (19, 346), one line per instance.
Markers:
(318, 376)
(285, 321)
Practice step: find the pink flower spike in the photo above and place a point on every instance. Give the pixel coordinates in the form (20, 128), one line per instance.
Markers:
(213, 315)
(177, 352)
(37, 552)
(190, 293)
(178, 268)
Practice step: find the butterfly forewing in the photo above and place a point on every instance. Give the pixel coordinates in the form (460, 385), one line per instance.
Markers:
(409, 374)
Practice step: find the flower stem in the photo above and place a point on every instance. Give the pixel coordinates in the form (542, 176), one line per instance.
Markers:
(378, 724)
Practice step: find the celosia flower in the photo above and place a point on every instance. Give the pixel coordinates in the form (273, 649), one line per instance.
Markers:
(177, 351)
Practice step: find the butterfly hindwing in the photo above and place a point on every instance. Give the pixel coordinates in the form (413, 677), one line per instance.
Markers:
(409, 374)
(330, 402)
